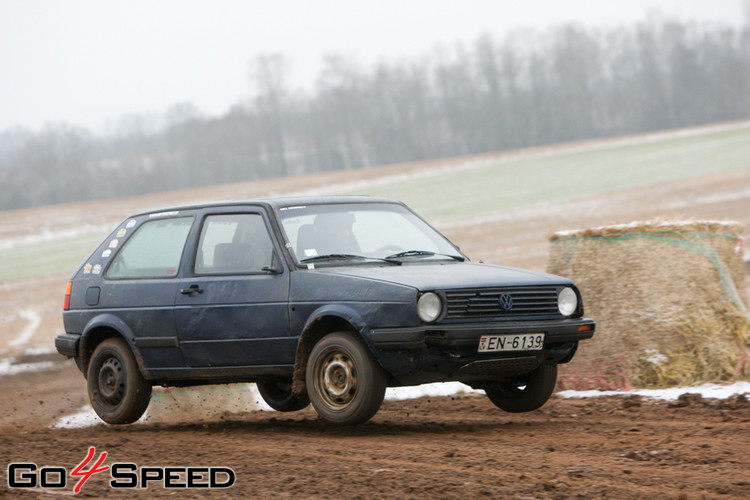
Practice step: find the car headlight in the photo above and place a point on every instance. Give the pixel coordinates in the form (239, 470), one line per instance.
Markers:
(429, 307)
(567, 301)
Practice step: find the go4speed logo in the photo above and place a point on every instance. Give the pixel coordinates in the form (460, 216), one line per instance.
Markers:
(121, 474)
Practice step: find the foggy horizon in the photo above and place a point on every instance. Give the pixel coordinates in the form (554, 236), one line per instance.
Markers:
(89, 65)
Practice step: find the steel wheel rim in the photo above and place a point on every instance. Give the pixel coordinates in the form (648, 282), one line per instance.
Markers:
(336, 379)
(111, 380)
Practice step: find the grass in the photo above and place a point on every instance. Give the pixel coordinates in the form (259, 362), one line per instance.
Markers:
(46, 258)
(564, 175)
(524, 180)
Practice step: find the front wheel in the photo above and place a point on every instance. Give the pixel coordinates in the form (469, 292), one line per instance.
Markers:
(528, 393)
(279, 396)
(118, 392)
(345, 384)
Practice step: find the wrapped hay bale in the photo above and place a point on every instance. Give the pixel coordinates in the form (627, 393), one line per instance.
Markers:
(669, 301)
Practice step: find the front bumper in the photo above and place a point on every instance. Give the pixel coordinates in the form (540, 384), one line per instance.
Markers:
(437, 353)
(466, 335)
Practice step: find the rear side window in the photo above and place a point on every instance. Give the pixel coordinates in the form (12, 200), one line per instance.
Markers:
(154, 251)
(234, 244)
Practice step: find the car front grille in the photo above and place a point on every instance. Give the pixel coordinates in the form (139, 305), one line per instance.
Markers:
(494, 302)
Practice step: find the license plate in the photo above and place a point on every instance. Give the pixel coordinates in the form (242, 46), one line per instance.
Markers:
(498, 343)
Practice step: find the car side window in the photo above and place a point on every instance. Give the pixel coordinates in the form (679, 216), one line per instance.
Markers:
(154, 250)
(234, 244)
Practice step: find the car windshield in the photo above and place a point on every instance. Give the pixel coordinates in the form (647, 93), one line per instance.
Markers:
(347, 233)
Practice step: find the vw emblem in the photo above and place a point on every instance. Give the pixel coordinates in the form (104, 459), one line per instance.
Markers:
(505, 301)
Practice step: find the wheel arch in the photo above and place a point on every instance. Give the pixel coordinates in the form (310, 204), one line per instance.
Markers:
(326, 320)
(101, 328)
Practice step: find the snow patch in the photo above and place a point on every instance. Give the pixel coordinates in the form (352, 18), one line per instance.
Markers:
(429, 390)
(40, 350)
(34, 320)
(9, 367)
(84, 417)
(713, 391)
(708, 199)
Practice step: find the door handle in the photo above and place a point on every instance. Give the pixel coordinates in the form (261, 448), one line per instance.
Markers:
(191, 290)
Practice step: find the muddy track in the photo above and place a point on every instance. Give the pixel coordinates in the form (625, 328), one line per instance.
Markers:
(447, 447)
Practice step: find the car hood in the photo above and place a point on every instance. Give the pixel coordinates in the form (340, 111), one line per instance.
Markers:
(454, 275)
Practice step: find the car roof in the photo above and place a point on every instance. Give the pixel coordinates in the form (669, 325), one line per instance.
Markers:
(275, 203)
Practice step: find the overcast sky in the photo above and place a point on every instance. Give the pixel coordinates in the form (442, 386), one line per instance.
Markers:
(88, 62)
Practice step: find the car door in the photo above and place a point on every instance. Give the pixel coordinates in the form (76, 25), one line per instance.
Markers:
(232, 308)
(141, 266)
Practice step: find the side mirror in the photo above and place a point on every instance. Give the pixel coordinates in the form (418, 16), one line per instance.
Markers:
(275, 267)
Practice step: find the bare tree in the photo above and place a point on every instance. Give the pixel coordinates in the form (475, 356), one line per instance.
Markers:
(269, 74)
(526, 88)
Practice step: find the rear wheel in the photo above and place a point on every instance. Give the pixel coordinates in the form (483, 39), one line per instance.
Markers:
(527, 393)
(118, 392)
(279, 396)
(345, 384)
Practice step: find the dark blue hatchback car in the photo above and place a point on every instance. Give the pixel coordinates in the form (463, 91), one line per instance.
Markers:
(318, 300)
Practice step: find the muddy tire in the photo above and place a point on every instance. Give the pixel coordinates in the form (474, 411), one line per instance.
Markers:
(527, 394)
(117, 390)
(345, 384)
(279, 396)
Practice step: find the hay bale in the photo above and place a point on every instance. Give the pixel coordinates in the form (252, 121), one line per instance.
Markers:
(669, 301)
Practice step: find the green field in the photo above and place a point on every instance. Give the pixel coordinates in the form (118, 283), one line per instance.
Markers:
(564, 175)
(522, 180)
(47, 258)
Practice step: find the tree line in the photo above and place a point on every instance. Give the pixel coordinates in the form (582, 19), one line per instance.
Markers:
(522, 89)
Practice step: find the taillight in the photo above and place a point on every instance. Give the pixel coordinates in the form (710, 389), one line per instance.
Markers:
(66, 300)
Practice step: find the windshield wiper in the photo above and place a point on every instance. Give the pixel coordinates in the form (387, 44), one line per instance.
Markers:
(423, 253)
(345, 256)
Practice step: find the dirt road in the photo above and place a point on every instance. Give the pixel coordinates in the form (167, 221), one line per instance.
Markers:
(449, 447)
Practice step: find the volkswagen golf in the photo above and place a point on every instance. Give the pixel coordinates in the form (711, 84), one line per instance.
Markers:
(322, 301)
